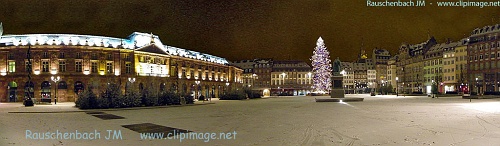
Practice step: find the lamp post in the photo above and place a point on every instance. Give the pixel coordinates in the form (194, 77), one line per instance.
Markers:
(397, 86)
(432, 88)
(197, 91)
(55, 79)
(283, 74)
(310, 80)
(477, 87)
(343, 74)
(131, 80)
(253, 83)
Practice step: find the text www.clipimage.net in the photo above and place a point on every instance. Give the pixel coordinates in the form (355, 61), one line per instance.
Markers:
(423, 3)
(206, 137)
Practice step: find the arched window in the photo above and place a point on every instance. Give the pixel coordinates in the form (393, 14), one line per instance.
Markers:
(29, 89)
(62, 85)
(45, 91)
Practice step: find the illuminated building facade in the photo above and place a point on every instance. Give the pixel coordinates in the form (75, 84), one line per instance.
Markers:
(411, 67)
(484, 60)
(291, 77)
(433, 68)
(348, 75)
(380, 58)
(140, 61)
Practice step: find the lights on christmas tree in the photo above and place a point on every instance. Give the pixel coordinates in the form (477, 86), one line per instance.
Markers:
(321, 68)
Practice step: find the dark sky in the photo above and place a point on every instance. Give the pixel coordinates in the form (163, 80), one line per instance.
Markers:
(246, 29)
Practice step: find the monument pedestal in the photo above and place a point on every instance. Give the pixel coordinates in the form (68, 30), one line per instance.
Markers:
(337, 90)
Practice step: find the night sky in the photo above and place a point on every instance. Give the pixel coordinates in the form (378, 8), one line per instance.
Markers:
(247, 29)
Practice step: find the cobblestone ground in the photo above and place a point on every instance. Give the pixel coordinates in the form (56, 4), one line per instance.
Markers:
(380, 120)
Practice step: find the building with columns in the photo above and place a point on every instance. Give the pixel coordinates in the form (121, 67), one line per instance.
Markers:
(140, 60)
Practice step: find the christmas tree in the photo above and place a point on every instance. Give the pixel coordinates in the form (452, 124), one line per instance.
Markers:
(321, 68)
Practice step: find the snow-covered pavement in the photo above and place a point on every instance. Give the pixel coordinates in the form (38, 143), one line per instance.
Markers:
(380, 120)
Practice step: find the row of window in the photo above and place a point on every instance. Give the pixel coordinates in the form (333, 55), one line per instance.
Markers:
(288, 82)
(449, 62)
(62, 66)
(448, 70)
(485, 65)
(485, 46)
(449, 78)
(433, 70)
(486, 56)
(292, 76)
(433, 62)
(78, 55)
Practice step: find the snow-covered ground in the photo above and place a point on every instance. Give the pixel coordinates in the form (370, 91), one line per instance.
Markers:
(380, 120)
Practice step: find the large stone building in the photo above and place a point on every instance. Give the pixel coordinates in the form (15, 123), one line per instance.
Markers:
(291, 78)
(450, 80)
(433, 67)
(360, 68)
(410, 65)
(380, 58)
(348, 82)
(461, 66)
(271, 77)
(391, 73)
(140, 60)
(257, 74)
(484, 59)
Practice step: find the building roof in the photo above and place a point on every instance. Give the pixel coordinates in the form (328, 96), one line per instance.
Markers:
(486, 29)
(136, 40)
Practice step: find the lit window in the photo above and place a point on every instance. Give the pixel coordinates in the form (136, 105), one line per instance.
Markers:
(45, 66)
(94, 67)
(109, 67)
(12, 66)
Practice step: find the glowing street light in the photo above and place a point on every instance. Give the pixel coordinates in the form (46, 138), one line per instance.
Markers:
(397, 86)
(197, 84)
(55, 79)
(131, 80)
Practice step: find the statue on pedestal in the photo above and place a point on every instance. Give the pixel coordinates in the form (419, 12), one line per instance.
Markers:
(337, 79)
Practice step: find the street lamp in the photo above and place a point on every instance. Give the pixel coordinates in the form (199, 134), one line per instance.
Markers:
(197, 85)
(477, 87)
(283, 74)
(253, 83)
(131, 80)
(55, 79)
(397, 86)
(227, 87)
(343, 74)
